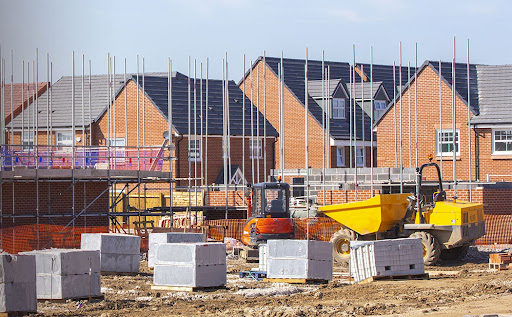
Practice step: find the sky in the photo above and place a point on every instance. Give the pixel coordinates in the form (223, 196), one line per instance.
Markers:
(201, 29)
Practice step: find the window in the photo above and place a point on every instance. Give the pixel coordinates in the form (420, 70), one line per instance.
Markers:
(27, 139)
(64, 138)
(379, 104)
(338, 108)
(118, 151)
(340, 156)
(360, 157)
(115, 142)
(445, 142)
(255, 148)
(194, 150)
(502, 142)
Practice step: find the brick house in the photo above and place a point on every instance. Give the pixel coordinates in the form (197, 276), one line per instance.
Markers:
(489, 127)
(337, 98)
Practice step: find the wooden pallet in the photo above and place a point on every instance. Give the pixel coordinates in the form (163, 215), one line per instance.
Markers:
(120, 273)
(185, 288)
(295, 280)
(64, 300)
(500, 266)
(16, 314)
(423, 276)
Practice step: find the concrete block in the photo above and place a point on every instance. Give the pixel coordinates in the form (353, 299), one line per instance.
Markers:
(262, 257)
(190, 253)
(170, 237)
(51, 286)
(299, 268)
(190, 275)
(66, 261)
(18, 297)
(113, 243)
(17, 268)
(121, 263)
(300, 249)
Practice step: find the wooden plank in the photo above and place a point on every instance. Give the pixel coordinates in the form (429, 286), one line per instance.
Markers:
(16, 314)
(396, 277)
(184, 288)
(295, 281)
(64, 300)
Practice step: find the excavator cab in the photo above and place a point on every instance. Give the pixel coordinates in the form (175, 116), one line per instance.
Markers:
(269, 214)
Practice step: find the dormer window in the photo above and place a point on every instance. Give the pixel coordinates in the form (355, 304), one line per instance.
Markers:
(379, 104)
(338, 108)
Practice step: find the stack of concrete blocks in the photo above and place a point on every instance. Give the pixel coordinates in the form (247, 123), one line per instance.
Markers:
(262, 257)
(170, 237)
(190, 264)
(67, 273)
(119, 253)
(299, 259)
(386, 258)
(17, 283)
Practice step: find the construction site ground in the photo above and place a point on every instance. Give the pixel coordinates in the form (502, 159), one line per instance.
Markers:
(465, 287)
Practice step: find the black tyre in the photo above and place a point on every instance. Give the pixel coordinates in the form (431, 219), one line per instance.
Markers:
(431, 248)
(341, 244)
(455, 254)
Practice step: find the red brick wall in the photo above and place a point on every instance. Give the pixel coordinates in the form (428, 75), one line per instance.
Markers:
(218, 198)
(294, 125)
(333, 197)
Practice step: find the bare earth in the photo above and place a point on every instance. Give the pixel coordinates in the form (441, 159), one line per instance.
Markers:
(454, 289)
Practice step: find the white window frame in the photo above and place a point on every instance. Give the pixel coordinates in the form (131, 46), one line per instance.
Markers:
(379, 102)
(496, 152)
(27, 140)
(258, 144)
(338, 106)
(362, 149)
(340, 156)
(439, 144)
(118, 151)
(60, 143)
(195, 153)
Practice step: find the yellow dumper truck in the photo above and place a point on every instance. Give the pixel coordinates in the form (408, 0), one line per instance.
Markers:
(446, 227)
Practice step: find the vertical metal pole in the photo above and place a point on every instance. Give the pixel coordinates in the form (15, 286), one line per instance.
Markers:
(416, 99)
(454, 125)
(51, 106)
(394, 113)
(201, 124)
(258, 140)
(90, 106)
(401, 134)
(48, 101)
(469, 125)
(228, 116)
(12, 110)
(143, 105)
(224, 134)
(282, 134)
(138, 139)
(439, 136)
(371, 120)
(207, 135)
(362, 117)
(410, 113)
(264, 117)
(126, 108)
(195, 132)
(36, 126)
(74, 139)
(306, 138)
(351, 96)
(243, 125)
(329, 114)
(324, 97)
(355, 117)
(188, 142)
(22, 102)
(83, 109)
(169, 119)
(252, 125)
(114, 134)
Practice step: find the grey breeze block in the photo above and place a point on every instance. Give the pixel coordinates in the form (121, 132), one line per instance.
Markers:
(118, 252)
(18, 283)
(190, 264)
(299, 259)
(170, 237)
(385, 258)
(112, 243)
(67, 273)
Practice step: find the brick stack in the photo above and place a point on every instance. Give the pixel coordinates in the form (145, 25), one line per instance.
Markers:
(500, 261)
(118, 252)
(17, 283)
(190, 264)
(386, 258)
(299, 259)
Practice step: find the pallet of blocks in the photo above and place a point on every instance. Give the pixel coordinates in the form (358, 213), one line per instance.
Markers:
(170, 237)
(386, 259)
(67, 274)
(299, 261)
(17, 284)
(189, 266)
(500, 261)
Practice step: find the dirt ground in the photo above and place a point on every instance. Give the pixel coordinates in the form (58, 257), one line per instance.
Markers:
(454, 289)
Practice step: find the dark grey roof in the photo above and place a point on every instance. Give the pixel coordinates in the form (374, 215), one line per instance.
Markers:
(384, 74)
(315, 88)
(156, 90)
(494, 94)
(61, 93)
(461, 81)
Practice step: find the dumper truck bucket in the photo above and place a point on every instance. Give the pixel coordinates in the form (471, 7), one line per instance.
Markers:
(377, 214)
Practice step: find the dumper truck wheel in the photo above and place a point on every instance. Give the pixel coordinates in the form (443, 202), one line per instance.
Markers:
(431, 248)
(454, 254)
(341, 244)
